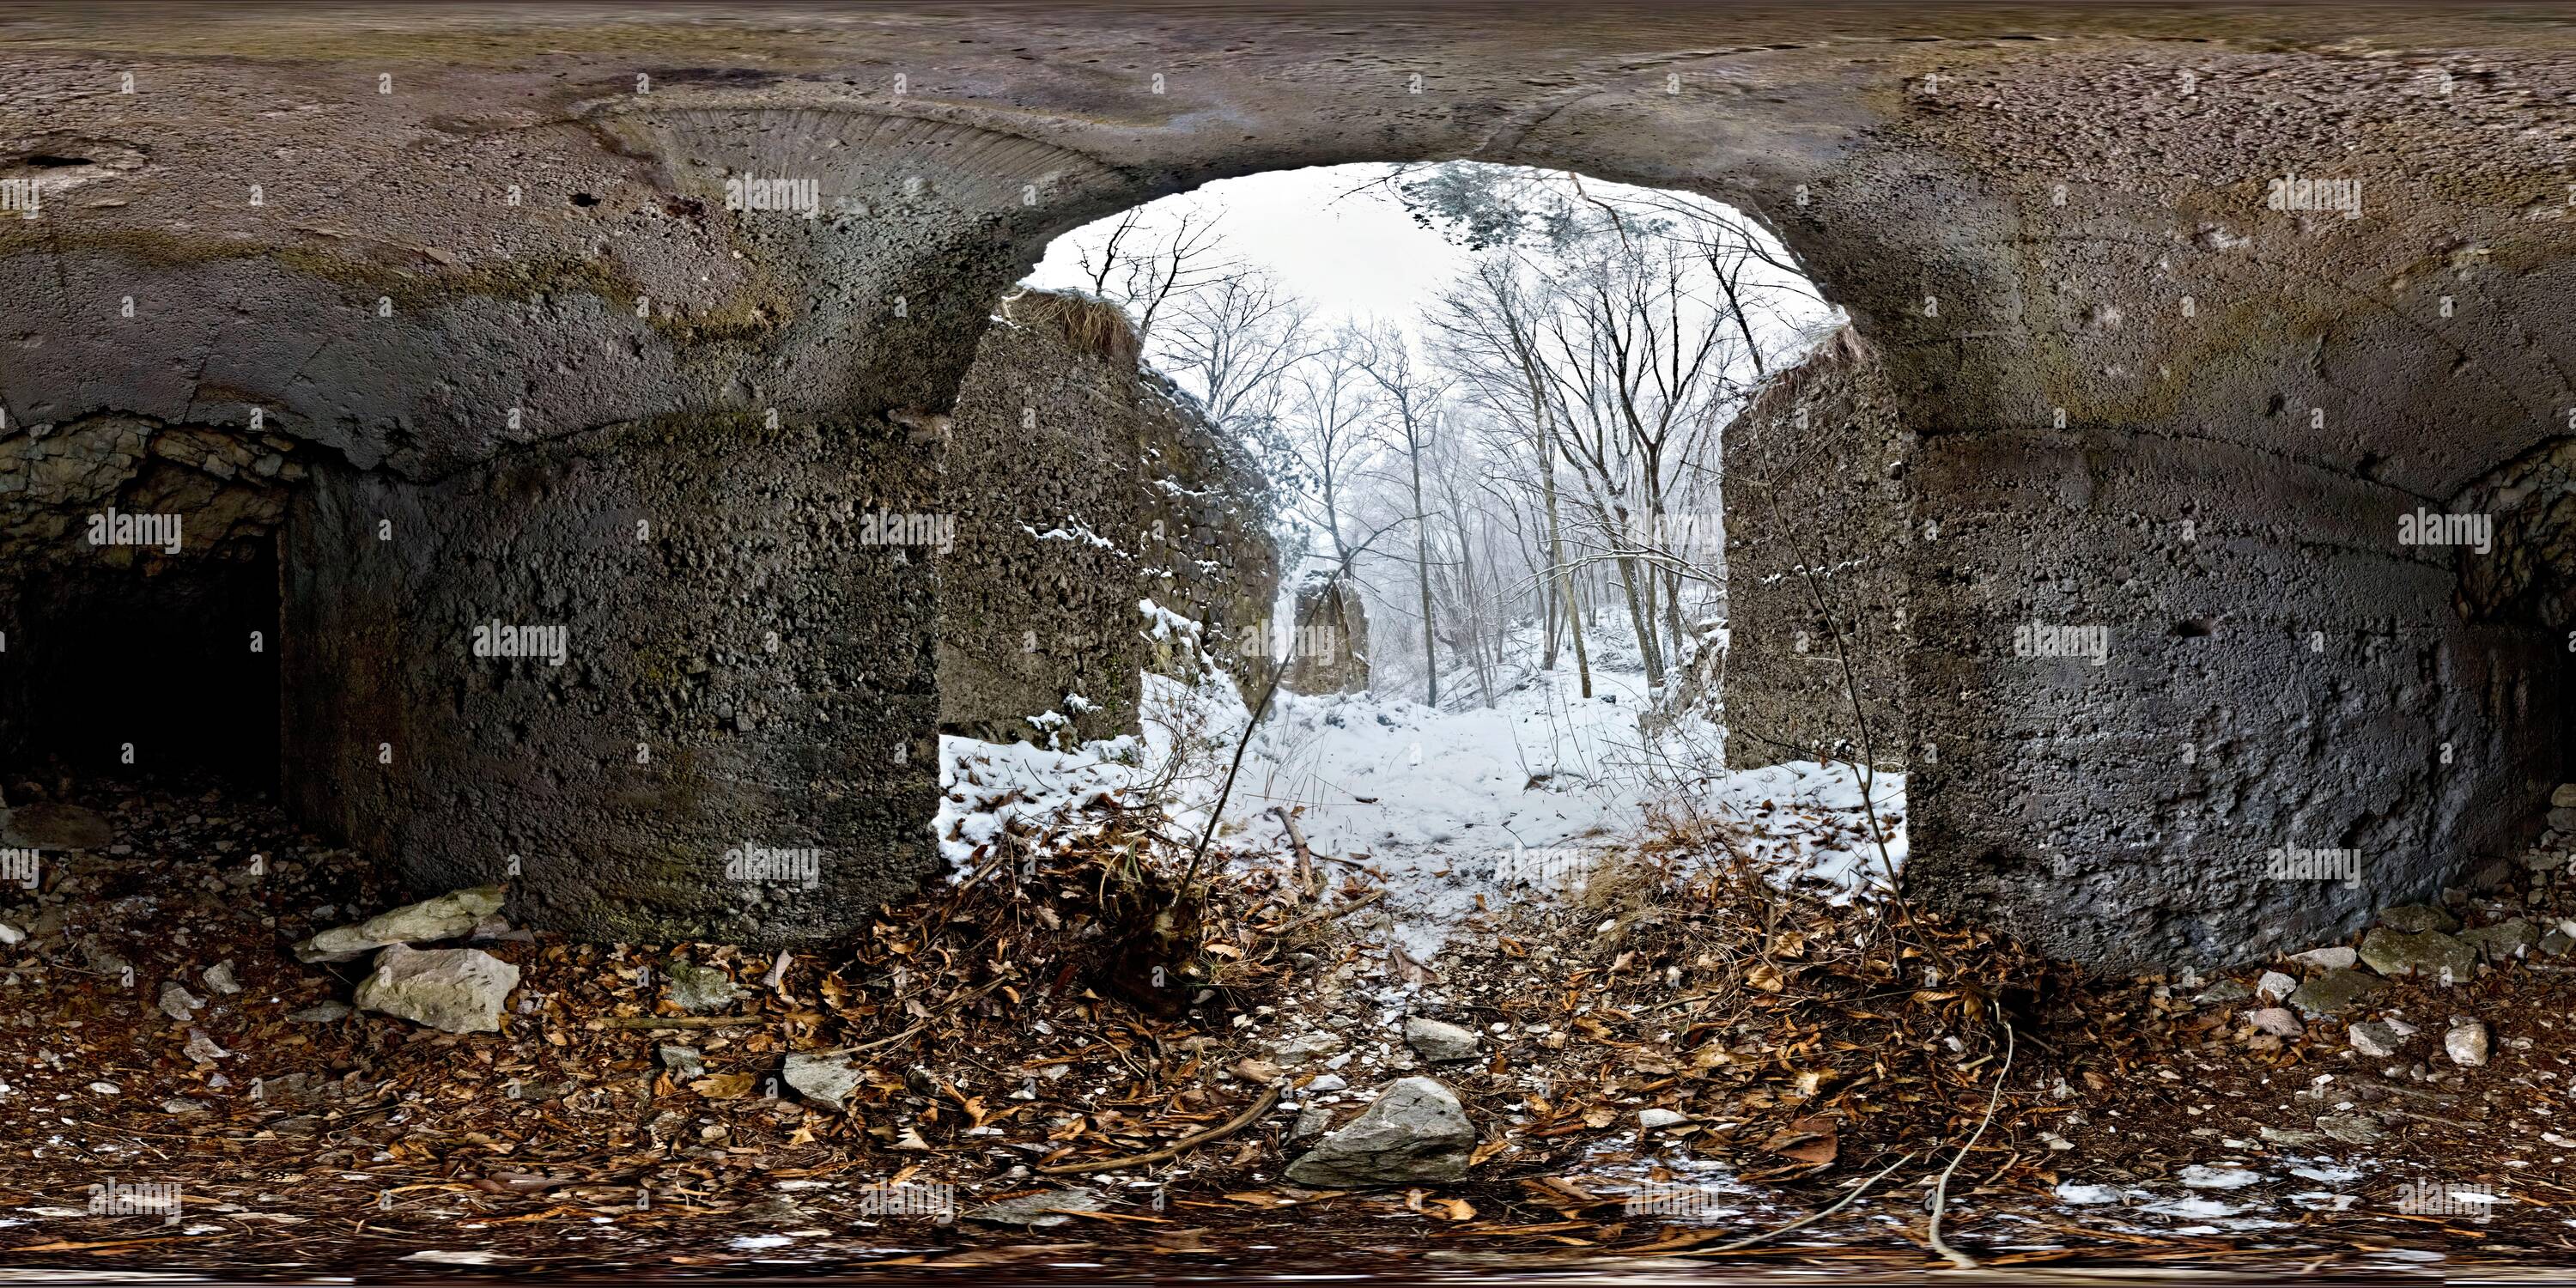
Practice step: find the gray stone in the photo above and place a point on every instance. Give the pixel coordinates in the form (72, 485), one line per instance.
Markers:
(2277, 1021)
(2414, 918)
(177, 1002)
(2274, 986)
(2564, 797)
(2503, 941)
(702, 988)
(2288, 1137)
(2562, 820)
(2351, 1129)
(1415, 1133)
(2334, 992)
(1438, 1041)
(2337, 957)
(2556, 943)
(320, 1013)
(1310, 1047)
(1311, 1120)
(825, 1078)
(2429, 953)
(2222, 993)
(219, 977)
(2466, 1044)
(2375, 1041)
(46, 826)
(453, 990)
(1656, 1119)
(1039, 1211)
(683, 1062)
(446, 917)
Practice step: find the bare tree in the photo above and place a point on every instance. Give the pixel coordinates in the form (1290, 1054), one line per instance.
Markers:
(1147, 262)
(1409, 398)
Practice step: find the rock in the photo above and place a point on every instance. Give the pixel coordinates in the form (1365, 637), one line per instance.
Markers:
(1438, 1041)
(2503, 941)
(2339, 957)
(683, 1062)
(54, 827)
(1654, 1119)
(182, 1105)
(1300, 1049)
(320, 1013)
(2562, 820)
(1415, 1133)
(702, 988)
(825, 1079)
(2466, 1044)
(2334, 992)
(202, 1048)
(1327, 1082)
(2375, 1040)
(2556, 943)
(2274, 985)
(452, 990)
(1039, 1211)
(2430, 953)
(2287, 1137)
(2277, 1021)
(2222, 993)
(177, 1002)
(1311, 1120)
(2564, 797)
(445, 917)
(2416, 918)
(2492, 875)
(10, 934)
(219, 977)
(2351, 1129)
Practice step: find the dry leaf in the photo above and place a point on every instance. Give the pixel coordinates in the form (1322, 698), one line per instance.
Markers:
(722, 1086)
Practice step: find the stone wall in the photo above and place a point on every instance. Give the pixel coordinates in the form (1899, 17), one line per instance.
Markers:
(740, 668)
(1081, 486)
(1330, 652)
(1816, 498)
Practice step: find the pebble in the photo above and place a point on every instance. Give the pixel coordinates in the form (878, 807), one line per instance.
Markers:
(2274, 985)
(178, 1003)
(320, 1013)
(2467, 1044)
(2375, 1040)
(2338, 957)
(2277, 1021)
(1654, 1119)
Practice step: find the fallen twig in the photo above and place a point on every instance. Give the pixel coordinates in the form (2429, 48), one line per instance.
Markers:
(1269, 1097)
(1327, 914)
(1941, 1188)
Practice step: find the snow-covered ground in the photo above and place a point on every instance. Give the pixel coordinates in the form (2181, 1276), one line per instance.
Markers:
(1500, 802)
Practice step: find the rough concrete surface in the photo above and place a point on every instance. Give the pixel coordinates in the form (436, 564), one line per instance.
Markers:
(503, 302)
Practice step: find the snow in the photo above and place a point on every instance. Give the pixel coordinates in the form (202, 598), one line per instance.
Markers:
(1514, 801)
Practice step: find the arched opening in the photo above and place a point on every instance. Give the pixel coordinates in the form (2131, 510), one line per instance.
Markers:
(1467, 551)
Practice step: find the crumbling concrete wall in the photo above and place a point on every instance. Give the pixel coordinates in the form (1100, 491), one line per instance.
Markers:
(1081, 486)
(1817, 535)
(1330, 651)
(722, 664)
(2105, 212)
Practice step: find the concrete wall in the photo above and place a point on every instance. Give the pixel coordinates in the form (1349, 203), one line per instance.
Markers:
(1816, 483)
(2066, 208)
(1083, 485)
(741, 670)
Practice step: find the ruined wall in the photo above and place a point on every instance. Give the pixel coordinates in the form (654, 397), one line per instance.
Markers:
(1330, 651)
(2066, 211)
(738, 669)
(1082, 485)
(1815, 482)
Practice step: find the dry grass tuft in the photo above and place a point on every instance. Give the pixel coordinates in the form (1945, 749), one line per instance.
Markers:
(1087, 323)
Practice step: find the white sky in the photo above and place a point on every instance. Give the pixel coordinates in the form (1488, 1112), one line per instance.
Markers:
(1360, 256)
